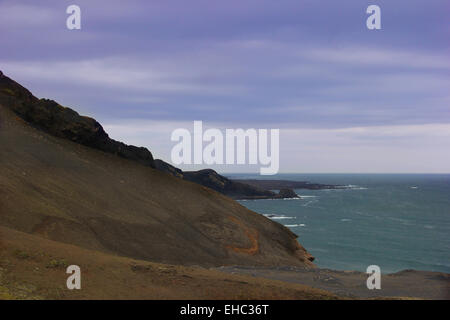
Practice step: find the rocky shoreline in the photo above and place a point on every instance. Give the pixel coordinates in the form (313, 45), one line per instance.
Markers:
(287, 184)
(352, 284)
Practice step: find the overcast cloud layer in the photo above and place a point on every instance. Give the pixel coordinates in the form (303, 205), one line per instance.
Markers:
(346, 99)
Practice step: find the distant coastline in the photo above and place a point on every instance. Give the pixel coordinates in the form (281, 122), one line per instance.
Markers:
(398, 221)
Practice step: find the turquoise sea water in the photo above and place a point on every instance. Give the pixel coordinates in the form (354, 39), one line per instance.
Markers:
(395, 221)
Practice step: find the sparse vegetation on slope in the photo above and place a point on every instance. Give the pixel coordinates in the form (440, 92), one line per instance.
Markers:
(107, 276)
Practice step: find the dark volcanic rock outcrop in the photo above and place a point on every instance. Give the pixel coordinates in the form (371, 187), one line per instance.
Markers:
(65, 123)
(236, 189)
(287, 193)
(211, 179)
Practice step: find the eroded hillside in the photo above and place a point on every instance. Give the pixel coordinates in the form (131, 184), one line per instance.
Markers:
(75, 193)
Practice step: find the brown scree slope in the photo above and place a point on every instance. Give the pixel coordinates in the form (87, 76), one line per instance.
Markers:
(32, 267)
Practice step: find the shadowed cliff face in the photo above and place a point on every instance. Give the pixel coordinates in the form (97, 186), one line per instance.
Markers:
(57, 182)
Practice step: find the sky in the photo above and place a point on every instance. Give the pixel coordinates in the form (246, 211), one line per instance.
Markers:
(345, 98)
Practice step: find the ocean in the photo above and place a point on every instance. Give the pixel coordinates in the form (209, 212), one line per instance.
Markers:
(395, 221)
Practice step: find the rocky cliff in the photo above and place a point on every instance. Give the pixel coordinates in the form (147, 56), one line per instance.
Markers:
(63, 179)
(65, 123)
